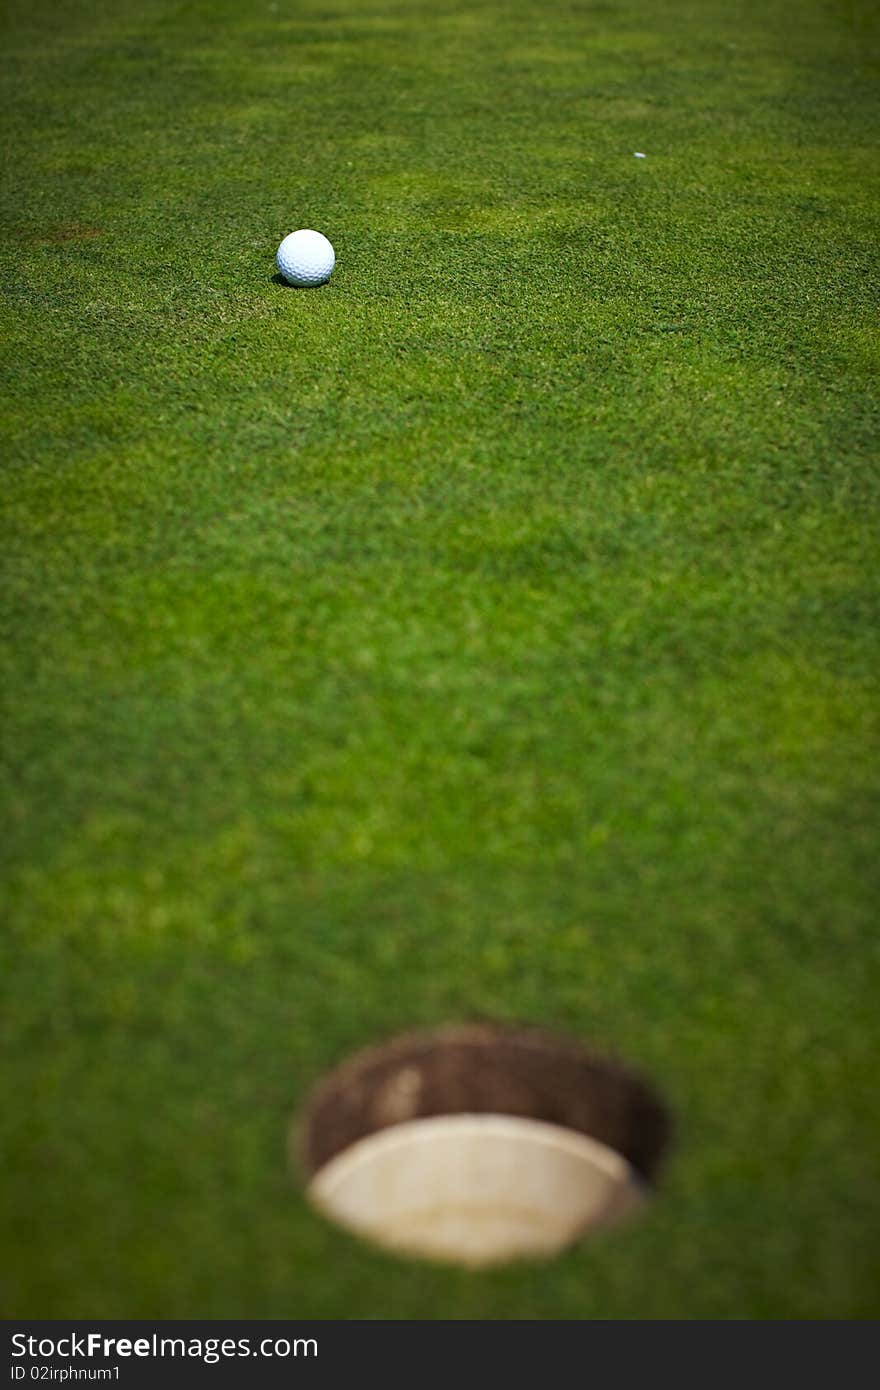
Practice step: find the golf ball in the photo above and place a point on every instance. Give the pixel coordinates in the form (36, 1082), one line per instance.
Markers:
(305, 258)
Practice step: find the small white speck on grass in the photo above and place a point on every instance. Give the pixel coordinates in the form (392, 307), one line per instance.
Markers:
(638, 155)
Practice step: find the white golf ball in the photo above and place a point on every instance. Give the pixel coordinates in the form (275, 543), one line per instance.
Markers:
(305, 258)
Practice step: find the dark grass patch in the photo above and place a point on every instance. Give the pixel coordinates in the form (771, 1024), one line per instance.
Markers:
(58, 235)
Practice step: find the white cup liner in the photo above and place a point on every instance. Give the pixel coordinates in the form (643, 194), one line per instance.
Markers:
(476, 1189)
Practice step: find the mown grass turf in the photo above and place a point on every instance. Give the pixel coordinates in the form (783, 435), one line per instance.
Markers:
(492, 632)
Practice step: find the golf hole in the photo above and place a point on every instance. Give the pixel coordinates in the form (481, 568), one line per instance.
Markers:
(480, 1144)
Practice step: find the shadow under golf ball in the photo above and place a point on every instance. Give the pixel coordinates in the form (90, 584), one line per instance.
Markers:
(278, 279)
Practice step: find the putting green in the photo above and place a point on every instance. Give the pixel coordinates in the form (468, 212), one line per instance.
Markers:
(492, 632)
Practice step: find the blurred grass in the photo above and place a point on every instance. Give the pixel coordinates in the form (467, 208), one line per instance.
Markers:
(492, 632)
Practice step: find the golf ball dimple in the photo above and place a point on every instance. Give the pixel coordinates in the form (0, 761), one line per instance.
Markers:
(305, 258)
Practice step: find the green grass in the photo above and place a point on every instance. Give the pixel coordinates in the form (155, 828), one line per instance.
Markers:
(490, 633)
